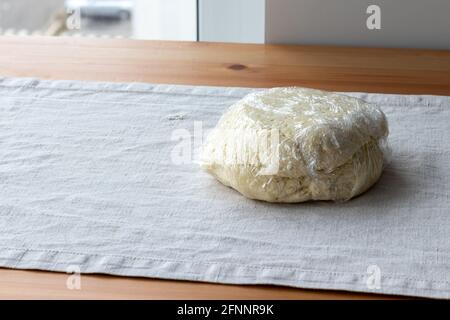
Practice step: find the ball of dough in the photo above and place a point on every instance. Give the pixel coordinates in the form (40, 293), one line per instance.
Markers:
(297, 144)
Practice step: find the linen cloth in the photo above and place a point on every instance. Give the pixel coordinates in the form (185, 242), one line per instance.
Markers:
(93, 175)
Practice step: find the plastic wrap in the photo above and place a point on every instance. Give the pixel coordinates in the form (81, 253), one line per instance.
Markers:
(298, 144)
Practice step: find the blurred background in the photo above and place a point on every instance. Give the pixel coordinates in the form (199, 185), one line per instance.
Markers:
(403, 23)
(140, 19)
(111, 18)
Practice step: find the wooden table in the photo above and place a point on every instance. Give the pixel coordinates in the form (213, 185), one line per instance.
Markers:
(332, 68)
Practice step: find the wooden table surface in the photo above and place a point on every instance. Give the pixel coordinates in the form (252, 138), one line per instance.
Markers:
(331, 68)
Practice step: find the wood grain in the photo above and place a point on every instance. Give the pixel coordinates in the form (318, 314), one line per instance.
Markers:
(331, 68)
(19, 284)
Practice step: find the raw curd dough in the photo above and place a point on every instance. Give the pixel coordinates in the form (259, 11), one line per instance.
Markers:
(298, 144)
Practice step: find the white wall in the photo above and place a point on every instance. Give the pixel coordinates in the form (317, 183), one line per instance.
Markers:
(165, 20)
(404, 23)
(232, 20)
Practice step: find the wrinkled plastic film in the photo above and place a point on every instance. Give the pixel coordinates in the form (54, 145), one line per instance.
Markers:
(298, 144)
